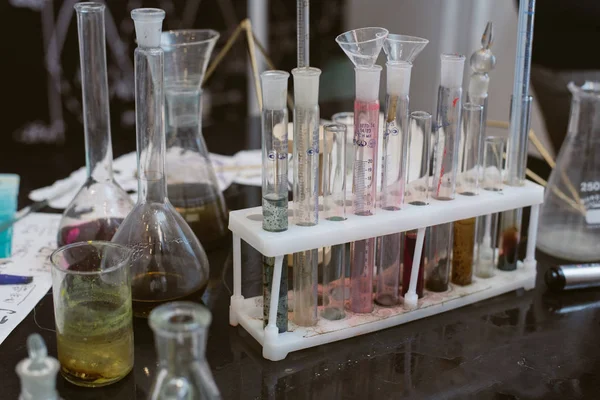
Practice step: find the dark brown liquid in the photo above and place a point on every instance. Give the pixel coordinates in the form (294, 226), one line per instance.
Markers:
(99, 229)
(507, 260)
(462, 254)
(437, 281)
(145, 299)
(203, 209)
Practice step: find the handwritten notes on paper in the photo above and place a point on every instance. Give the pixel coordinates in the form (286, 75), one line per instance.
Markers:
(34, 239)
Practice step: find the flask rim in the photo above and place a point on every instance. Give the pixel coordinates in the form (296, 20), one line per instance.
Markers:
(589, 89)
(179, 318)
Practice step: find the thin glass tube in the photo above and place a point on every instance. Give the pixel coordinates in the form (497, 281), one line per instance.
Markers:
(410, 244)
(347, 119)
(334, 209)
(447, 139)
(492, 160)
(306, 189)
(303, 33)
(394, 148)
(366, 130)
(418, 158)
(485, 250)
(438, 250)
(520, 111)
(472, 153)
(274, 151)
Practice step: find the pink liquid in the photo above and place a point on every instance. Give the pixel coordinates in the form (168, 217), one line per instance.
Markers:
(100, 229)
(409, 250)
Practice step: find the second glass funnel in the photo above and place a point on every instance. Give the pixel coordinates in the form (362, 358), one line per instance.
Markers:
(192, 182)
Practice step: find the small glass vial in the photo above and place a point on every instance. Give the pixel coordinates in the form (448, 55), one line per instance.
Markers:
(180, 333)
(38, 372)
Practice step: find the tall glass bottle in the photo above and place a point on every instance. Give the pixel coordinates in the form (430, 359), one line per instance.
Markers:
(180, 333)
(570, 216)
(169, 262)
(191, 179)
(101, 204)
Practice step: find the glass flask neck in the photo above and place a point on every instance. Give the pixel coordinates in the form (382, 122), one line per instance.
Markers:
(585, 109)
(94, 84)
(184, 116)
(150, 129)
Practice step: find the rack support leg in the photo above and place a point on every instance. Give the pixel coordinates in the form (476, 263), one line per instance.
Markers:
(411, 298)
(530, 261)
(237, 298)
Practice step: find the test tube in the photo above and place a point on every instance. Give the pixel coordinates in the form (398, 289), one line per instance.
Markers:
(274, 151)
(447, 139)
(417, 190)
(418, 158)
(366, 130)
(274, 121)
(334, 209)
(347, 119)
(393, 169)
(306, 189)
(485, 251)
(472, 153)
(492, 161)
(438, 248)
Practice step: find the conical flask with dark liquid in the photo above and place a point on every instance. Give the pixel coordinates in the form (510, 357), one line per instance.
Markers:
(101, 204)
(168, 261)
(191, 179)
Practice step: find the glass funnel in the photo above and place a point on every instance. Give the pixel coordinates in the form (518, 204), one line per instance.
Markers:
(363, 45)
(569, 225)
(403, 47)
(180, 333)
(101, 204)
(168, 261)
(191, 179)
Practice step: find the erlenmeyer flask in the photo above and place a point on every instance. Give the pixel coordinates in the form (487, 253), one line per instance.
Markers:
(191, 179)
(180, 333)
(100, 205)
(569, 225)
(168, 261)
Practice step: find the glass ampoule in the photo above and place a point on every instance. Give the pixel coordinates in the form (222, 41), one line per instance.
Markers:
(334, 209)
(417, 191)
(100, 206)
(191, 179)
(469, 183)
(364, 186)
(180, 333)
(169, 262)
(306, 189)
(445, 168)
(393, 171)
(275, 183)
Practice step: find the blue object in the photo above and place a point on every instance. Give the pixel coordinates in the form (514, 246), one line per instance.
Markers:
(15, 279)
(9, 192)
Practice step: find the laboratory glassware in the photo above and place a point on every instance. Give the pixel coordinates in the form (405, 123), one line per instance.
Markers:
(438, 250)
(180, 334)
(92, 309)
(347, 118)
(306, 189)
(395, 139)
(191, 180)
(493, 150)
(274, 151)
(417, 190)
(38, 372)
(100, 206)
(169, 262)
(462, 251)
(362, 46)
(520, 110)
(334, 209)
(447, 138)
(275, 182)
(570, 215)
(485, 249)
(9, 194)
(418, 159)
(510, 221)
(303, 33)
(403, 47)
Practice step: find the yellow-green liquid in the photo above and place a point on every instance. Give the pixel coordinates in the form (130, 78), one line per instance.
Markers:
(95, 346)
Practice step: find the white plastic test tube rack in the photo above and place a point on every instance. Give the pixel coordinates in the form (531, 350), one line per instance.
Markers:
(246, 224)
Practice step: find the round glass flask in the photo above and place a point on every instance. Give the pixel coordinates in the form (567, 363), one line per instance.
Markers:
(100, 206)
(168, 261)
(569, 226)
(191, 179)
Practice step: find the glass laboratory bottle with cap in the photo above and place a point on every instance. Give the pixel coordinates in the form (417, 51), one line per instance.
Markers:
(38, 372)
(100, 206)
(180, 333)
(191, 179)
(168, 261)
(569, 226)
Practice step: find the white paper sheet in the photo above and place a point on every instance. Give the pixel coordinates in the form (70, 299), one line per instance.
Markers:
(34, 239)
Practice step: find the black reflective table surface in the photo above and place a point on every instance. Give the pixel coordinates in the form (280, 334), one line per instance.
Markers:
(521, 345)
